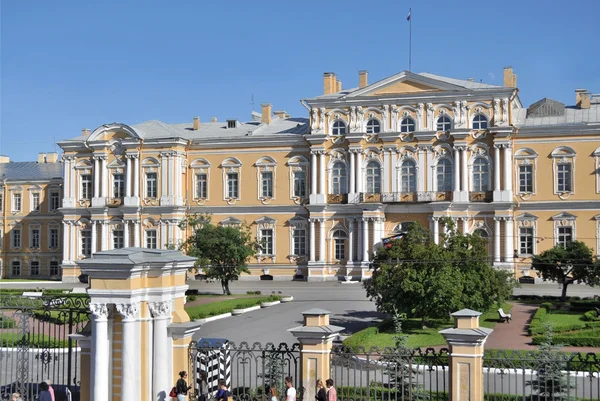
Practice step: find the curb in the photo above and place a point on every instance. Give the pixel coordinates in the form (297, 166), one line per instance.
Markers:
(237, 312)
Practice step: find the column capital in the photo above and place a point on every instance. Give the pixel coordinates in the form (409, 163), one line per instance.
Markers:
(132, 155)
(434, 218)
(100, 312)
(161, 309)
(365, 219)
(460, 147)
(498, 218)
(129, 312)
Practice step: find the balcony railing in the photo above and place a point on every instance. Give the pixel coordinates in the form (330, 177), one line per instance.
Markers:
(339, 199)
(416, 197)
(370, 198)
(484, 196)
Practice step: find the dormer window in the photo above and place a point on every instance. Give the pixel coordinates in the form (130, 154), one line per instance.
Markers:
(480, 122)
(373, 126)
(232, 123)
(407, 125)
(444, 124)
(339, 128)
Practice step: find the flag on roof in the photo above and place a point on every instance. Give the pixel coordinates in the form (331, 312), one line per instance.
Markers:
(408, 18)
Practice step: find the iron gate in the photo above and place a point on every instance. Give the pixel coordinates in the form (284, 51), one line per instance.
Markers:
(35, 345)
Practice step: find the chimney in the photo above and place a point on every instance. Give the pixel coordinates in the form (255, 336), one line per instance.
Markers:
(329, 83)
(582, 98)
(470, 80)
(52, 157)
(41, 157)
(510, 78)
(266, 113)
(338, 86)
(281, 114)
(214, 119)
(85, 132)
(4, 159)
(363, 78)
(196, 125)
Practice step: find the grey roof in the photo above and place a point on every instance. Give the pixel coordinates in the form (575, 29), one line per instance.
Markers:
(545, 113)
(546, 108)
(30, 171)
(465, 83)
(315, 312)
(466, 313)
(135, 256)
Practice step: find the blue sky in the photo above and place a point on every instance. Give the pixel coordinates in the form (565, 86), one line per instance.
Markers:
(68, 65)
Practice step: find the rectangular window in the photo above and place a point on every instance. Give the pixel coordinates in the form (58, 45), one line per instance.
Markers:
(526, 178)
(1, 241)
(565, 235)
(526, 241)
(118, 185)
(35, 268)
(201, 186)
(266, 242)
(35, 238)
(54, 268)
(267, 184)
(299, 241)
(151, 185)
(564, 179)
(54, 200)
(1, 200)
(16, 203)
(54, 238)
(16, 238)
(340, 249)
(118, 239)
(35, 202)
(16, 268)
(86, 186)
(300, 183)
(151, 239)
(232, 185)
(86, 243)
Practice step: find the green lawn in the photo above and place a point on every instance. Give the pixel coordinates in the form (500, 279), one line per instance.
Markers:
(220, 307)
(15, 339)
(382, 335)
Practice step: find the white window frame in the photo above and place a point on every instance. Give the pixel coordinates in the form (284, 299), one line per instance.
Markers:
(342, 181)
(121, 187)
(232, 166)
(200, 166)
(405, 124)
(334, 244)
(374, 123)
(13, 235)
(31, 262)
(295, 165)
(150, 165)
(84, 167)
(51, 197)
(147, 180)
(266, 223)
(377, 179)
(298, 223)
(596, 155)
(480, 151)
(436, 180)
(561, 220)
(12, 263)
(1, 198)
(118, 235)
(265, 165)
(2, 236)
(32, 227)
(597, 218)
(525, 157)
(58, 272)
(561, 156)
(83, 186)
(147, 237)
(402, 174)
(485, 118)
(57, 228)
(36, 195)
(526, 220)
(16, 194)
(437, 123)
(339, 128)
(84, 234)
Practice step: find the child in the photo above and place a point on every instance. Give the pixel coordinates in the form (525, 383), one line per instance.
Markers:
(223, 393)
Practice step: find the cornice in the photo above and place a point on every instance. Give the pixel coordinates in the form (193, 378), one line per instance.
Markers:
(558, 130)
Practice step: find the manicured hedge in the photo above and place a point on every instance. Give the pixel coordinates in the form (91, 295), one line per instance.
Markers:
(584, 305)
(581, 338)
(219, 308)
(34, 341)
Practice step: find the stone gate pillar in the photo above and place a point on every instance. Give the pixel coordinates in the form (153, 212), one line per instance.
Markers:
(139, 324)
(315, 336)
(466, 342)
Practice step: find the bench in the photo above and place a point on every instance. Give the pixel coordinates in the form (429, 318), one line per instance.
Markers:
(49, 303)
(32, 294)
(504, 317)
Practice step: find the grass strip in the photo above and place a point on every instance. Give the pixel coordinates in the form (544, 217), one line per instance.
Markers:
(221, 307)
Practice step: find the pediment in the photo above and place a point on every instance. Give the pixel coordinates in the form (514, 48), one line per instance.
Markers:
(526, 216)
(116, 163)
(107, 132)
(564, 216)
(406, 82)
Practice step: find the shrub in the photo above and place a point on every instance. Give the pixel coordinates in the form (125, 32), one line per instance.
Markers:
(191, 298)
(583, 305)
(582, 338)
(547, 306)
(257, 292)
(591, 316)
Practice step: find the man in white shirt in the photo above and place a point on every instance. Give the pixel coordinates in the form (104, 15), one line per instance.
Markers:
(290, 392)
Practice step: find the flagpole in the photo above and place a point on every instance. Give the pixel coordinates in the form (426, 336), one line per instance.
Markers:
(410, 39)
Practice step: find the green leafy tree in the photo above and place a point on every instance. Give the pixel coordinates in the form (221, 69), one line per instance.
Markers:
(273, 375)
(420, 278)
(222, 251)
(568, 263)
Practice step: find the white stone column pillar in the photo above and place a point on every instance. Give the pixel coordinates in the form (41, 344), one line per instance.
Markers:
(352, 186)
(322, 173)
(351, 240)
(128, 178)
(67, 175)
(465, 225)
(359, 173)
(94, 237)
(130, 352)
(456, 170)
(136, 176)
(163, 173)
(136, 234)
(375, 232)
(497, 239)
(365, 238)
(162, 241)
(312, 240)
(436, 229)
(96, 177)
(73, 240)
(465, 170)
(508, 171)
(126, 237)
(100, 354)
(313, 173)
(322, 240)
(161, 380)
(421, 170)
(394, 171)
(430, 169)
(386, 170)
(508, 239)
(497, 168)
(66, 241)
(104, 177)
(104, 238)
(170, 177)
(359, 240)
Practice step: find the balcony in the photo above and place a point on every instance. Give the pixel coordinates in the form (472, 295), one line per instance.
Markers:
(370, 198)
(416, 197)
(337, 199)
(484, 196)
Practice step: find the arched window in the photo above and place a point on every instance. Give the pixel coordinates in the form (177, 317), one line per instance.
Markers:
(339, 128)
(444, 124)
(373, 177)
(485, 236)
(407, 125)
(338, 179)
(339, 245)
(480, 122)
(408, 179)
(373, 126)
(444, 175)
(481, 175)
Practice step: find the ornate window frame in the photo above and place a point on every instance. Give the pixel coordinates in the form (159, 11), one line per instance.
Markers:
(295, 164)
(563, 155)
(334, 116)
(34, 225)
(116, 224)
(338, 228)
(53, 226)
(232, 165)
(35, 190)
(368, 160)
(525, 157)
(39, 266)
(442, 152)
(399, 114)
(596, 155)
(266, 223)
(84, 167)
(564, 219)
(149, 224)
(151, 165)
(200, 166)
(298, 223)
(13, 227)
(480, 151)
(230, 222)
(53, 189)
(337, 156)
(526, 220)
(266, 164)
(16, 190)
(372, 117)
(117, 166)
(479, 108)
(83, 225)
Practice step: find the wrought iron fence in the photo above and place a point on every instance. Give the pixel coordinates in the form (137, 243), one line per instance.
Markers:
(35, 345)
(390, 374)
(250, 371)
(537, 375)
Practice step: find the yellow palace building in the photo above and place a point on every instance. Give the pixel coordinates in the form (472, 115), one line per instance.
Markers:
(321, 193)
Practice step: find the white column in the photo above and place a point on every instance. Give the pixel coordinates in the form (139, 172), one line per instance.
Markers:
(465, 225)
(73, 241)
(94, 237)
(508, 169)
(136, 176)
(136, 234)
(436, 230)
(322, 189)
(177, 175)
(465, 170)
(496, 167)
(162, 241)
(72, 180)
(352, 186)
(456, 169)
(170, 176)
(496, 239)
(508, 239)
(322, 240)
(161, 380)
(386, 170)
(312, 240)
(430, 169)
(375, 231)
(351, 240)
(163, 174)
(313, 173)
(359, 172)
(104, 236)
(421, 170)
(394, 172)
(100, 354)
(359, 240)
(128, 178)
(67, 175)
(96, 177)
(126, 242)
(365, 238)
(130, 351)
(104, 177)
(66, 243)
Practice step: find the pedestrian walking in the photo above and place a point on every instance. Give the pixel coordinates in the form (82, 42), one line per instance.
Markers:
(223, 393)
(331, 391)
(181, 387)
(321, 393)
(274, 393)
(44, 392)
(16, 397)
(50, 389)
(290, 392)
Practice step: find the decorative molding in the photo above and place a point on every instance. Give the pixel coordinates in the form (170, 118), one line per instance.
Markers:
(99, 311)
(161, 309)
(129, 312)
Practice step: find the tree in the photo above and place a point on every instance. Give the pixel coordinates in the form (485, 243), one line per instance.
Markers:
(568, 263)
(222, 251)
(423, 279)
